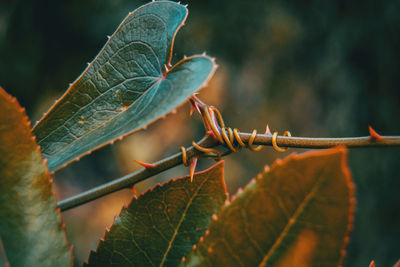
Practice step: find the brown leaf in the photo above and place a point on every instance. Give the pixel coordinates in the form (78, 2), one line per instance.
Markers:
(298, 213)
(30, 225)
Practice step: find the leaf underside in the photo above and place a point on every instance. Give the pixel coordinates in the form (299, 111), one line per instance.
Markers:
(298, 213)
(126, 86)
(161, 226)
(30, 225)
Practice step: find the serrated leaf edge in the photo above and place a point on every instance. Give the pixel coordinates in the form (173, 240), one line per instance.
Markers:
(28, 124)
(135, 198)
(280, 162)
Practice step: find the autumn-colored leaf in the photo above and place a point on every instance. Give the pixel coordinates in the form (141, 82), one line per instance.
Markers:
(161, 226)
(129, 84)
(297, 213)
(30, 225)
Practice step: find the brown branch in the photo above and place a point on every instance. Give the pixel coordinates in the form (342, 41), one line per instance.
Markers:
(307, 142)
(261, 139)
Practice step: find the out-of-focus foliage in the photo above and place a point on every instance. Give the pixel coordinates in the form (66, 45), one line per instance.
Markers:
(317, 68)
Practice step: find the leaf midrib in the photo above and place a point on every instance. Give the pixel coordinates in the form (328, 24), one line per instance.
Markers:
(102, 125)
(293, 219)
(181, 220)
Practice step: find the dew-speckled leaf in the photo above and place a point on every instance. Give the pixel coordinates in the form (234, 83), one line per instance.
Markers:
(126, 87)
(297, 213)
(30, 224)
(161, 226)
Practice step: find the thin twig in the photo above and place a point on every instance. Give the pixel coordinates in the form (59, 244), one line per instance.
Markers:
(131, 179)
(307, 142)
(261, 139)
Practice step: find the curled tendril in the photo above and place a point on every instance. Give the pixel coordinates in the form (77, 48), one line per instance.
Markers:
(275, 145)
(184, 157)
(227, 136)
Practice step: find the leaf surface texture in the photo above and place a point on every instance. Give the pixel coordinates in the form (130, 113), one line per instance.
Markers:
(161, 226)
(30, 224)
(128, 85)
(297, 213)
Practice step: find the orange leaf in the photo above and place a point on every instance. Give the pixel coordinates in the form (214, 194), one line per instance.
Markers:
(30, 225)
(297, 213)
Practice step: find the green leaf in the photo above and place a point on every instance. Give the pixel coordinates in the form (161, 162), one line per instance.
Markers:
(161, 226)
(298, 213)
(30, 224)
(127, 86)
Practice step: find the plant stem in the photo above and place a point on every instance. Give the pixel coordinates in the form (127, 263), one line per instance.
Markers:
(307, 142)
(129, 180)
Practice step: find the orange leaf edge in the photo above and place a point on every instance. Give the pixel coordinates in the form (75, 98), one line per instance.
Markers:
(135, 197)
(27, 123)
(350, 184)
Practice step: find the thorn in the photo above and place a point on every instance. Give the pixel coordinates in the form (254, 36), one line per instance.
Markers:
(108, 37)
(192, 167)
(183, 258)
(214, 217)
(197, 103)
(372, 264)
(174, 111)
(133, 189)
(374, 135)
(192, 109)
(267, 130)
(166, 68)
(266, 168)
(148, 166)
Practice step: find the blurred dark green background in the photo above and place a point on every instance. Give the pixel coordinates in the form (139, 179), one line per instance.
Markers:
(316, 68)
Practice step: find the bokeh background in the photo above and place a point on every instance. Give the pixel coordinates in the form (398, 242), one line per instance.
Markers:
(317, 68)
